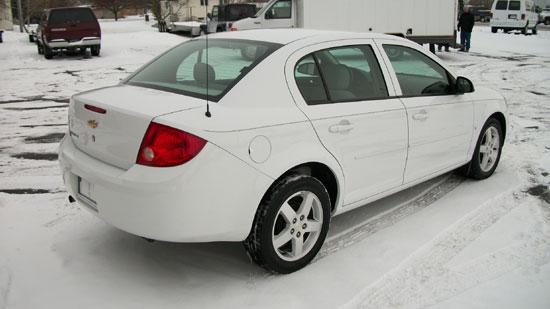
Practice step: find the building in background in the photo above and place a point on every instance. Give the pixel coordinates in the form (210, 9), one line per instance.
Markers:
(6, 20)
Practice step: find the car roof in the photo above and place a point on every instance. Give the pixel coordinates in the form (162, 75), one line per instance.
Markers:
(287, 36)
(67, 8)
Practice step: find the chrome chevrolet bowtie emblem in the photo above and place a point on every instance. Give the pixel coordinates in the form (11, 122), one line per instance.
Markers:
(92, 124)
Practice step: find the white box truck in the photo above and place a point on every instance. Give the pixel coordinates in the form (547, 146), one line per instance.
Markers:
(423, 21)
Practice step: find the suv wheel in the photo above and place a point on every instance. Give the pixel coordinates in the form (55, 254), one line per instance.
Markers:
(40, 49)
(95, 50)
(48, 52)
(290, 225)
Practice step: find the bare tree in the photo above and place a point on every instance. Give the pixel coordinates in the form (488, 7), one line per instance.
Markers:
(113, 6)
(161, 15)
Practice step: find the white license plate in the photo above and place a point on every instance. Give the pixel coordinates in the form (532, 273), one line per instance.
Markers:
(86, 189)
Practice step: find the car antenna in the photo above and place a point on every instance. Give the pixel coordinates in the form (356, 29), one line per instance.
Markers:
(207, 114)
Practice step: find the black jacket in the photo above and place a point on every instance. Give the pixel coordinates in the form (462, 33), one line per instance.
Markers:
(466, 22)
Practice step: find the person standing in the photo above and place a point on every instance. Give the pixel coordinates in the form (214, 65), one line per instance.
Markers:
(465, 26)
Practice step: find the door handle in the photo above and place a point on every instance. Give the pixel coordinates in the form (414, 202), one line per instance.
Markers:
(257, 23)
(421, 116)
(343, 127)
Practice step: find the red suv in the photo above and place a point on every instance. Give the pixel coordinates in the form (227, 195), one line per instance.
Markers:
(68, 28)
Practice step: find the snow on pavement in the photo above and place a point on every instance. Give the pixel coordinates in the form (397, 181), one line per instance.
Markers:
(448, 243)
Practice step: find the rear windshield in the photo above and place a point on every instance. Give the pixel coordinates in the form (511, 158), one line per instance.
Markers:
(502, 5)
(185, 69)
(514, 6)
(71, 16)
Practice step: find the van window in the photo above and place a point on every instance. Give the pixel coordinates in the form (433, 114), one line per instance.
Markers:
(514, 6)
(502, 5)
(418, 75)
(71, 16)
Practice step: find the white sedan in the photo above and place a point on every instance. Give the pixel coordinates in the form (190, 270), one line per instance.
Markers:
(264, 135)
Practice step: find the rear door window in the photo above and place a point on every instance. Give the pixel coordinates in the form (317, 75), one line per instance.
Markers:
(514, 6)
(309, 81)
(71, 16)
(342, 74)
(502, 5)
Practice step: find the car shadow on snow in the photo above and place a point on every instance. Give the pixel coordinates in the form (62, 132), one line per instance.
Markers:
(116, 253)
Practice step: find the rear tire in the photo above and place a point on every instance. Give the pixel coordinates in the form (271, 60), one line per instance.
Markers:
(95, 50)
(291, 224)
(547, 21)
(31, 38)
(48, 52)
(488, 151)
(40, 49)
(494, 29)
(534, 30)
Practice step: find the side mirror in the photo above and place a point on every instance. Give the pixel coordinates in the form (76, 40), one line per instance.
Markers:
(269, 14)
(464, 85)
(307, 69)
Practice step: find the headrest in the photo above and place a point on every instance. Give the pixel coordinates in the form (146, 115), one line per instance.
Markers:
(338, 77)
(203, 73)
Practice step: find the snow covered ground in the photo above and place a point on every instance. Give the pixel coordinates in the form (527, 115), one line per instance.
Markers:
(448, 243)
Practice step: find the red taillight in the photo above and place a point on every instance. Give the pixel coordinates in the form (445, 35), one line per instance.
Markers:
(95, 109)
(163, 146)
(233, 29)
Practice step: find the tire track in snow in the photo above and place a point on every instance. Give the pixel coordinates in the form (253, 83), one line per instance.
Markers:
(425, 279)
(5, 286)
(360, 232)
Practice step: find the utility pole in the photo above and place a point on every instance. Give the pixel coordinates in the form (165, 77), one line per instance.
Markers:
(20, 15)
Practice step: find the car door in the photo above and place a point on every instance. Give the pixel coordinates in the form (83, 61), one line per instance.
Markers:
(440, 121)
(344, 92)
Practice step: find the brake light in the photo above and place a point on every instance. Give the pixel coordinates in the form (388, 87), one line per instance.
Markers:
(95, 109)
(164, 146)
(233, 29)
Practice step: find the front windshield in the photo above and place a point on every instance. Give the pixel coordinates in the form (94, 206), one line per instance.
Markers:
(185, 69)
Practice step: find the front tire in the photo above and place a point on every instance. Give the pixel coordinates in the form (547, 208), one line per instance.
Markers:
(291, 224)
(488, 151)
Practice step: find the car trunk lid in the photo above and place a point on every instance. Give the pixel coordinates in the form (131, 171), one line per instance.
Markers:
(109, 124)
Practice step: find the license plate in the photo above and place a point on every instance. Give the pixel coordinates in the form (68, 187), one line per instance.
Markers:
(513, 16)
(86, 190)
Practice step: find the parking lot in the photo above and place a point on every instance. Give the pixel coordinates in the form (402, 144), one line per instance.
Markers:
(447, 243)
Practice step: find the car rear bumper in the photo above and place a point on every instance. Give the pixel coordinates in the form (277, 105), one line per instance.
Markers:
(62, 43)
(214, 197)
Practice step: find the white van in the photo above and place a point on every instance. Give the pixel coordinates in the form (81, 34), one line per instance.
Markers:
(423, 21)
(514, 15)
